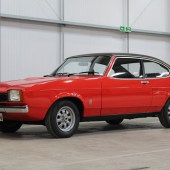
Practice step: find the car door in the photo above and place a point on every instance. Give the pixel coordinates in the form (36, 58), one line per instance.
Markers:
(157, 77)
(124, 91)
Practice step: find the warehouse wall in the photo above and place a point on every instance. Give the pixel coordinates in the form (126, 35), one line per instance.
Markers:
(101, 12)
(28, 49)
(48, 9)
(34, 49)
(157, 46)
(79, 41)
(150, 15)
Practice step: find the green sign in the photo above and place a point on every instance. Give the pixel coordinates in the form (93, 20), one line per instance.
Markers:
(125, 29)
(128, 29)
(122, 29)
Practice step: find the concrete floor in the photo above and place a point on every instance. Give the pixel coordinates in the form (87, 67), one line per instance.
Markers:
(135, 145)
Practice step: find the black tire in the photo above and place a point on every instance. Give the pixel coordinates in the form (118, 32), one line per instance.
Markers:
(164, 116)
(114, 121)
(56, 119)
(9, 126)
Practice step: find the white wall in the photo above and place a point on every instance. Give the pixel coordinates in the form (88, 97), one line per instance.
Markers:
(34, 49)
(47, 9)
(158, 46)
(80, 41)
(28, 50)
(150, 15)
(100, 12)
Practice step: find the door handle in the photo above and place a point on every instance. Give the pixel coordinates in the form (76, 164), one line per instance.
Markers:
(145, 82)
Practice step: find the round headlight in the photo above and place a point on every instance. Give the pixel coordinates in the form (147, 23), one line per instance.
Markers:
(14, 95)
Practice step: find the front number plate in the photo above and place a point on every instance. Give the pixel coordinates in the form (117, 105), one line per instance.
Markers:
(1, 117)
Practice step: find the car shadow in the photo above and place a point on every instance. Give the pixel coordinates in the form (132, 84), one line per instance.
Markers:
(92, 128)
(118, 128)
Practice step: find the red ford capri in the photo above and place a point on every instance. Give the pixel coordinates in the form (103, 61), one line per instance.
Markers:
(108, 87)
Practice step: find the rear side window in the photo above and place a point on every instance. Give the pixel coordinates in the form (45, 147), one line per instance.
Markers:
(126, 68)
(155, 70)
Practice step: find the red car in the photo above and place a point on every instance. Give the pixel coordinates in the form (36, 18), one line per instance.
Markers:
(110, 87)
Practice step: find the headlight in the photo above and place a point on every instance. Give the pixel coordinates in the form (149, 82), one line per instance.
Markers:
(14, 95)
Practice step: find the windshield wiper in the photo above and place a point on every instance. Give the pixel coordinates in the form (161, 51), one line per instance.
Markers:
(89, 72)
(61, 74)
(71, 74)
(84, 72)
(48, 76)
(57, 74)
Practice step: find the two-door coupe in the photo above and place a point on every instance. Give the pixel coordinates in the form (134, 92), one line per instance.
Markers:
(110, 87)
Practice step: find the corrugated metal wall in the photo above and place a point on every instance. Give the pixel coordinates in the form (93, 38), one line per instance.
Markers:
(49, 9)
(101, 12)
(150, 15)
(83, 41)
(28, 50)
(34, 49)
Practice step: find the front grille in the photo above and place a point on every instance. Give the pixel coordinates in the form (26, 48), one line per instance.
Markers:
(3, 97)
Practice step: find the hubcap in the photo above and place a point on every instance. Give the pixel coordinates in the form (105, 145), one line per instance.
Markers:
(169, 111)
(65, 118)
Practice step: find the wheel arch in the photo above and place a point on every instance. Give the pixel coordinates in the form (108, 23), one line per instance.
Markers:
(166, 101)
(77, 101)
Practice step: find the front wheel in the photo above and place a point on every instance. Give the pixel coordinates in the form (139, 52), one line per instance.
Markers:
(9, 126)
(63, 119)
(114, 121)
(164, 115)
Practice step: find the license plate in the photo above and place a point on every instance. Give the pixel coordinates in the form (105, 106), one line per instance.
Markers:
(1, 117)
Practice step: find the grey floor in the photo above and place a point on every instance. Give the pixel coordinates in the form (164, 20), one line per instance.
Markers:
(135, 145)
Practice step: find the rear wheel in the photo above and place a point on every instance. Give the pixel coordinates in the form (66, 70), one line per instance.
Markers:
(164, 115)
(114, 121)
(9, 126)
(63, 119)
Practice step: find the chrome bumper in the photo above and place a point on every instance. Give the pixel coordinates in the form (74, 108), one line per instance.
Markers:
(14, 109)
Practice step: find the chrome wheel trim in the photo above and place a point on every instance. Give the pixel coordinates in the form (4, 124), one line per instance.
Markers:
(65, 119)
(168, 111)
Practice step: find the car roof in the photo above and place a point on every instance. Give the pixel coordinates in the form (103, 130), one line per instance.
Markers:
(118, 55)
(114, 54)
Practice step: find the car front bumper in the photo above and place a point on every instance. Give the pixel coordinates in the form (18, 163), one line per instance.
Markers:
(14, 109)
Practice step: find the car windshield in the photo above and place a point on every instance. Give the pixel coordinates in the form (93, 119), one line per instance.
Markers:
(95, 65)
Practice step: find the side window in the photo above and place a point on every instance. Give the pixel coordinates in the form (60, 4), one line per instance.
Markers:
(126, 68)
(154, 70)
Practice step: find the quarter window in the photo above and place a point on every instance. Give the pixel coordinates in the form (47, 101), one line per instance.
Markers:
(126, 68)
(155, 70)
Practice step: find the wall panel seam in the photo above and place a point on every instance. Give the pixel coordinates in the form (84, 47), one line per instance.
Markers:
(75, 24)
